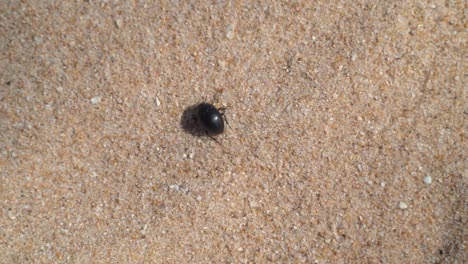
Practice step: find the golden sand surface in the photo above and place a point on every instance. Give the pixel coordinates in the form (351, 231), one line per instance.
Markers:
(347, 142)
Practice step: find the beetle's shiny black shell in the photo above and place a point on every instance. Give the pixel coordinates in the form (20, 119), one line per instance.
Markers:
(211, 119)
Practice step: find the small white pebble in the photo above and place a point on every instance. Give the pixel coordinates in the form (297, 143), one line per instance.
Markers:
(359, 166)
(119, 23)
(11, 215)
(158, 103)
(253, 203)
(222, 64)
(37, 39)
(402, 205)
(428, 180)
(230, 31)
(95, 100)
(174, 187)
(199, 198)
(382, 184)
(59, 89)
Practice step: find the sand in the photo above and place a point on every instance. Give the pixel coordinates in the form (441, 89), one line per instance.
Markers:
(339, 110)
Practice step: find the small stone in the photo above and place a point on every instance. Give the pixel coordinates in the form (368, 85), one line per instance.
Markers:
(359, 167)
(95, 100)
(174, 187)
(199, 198)
(222, 64)
(428, 180)
(253, 203)
(37, 39)
(59, 89)
(402, 205)
(119, 23)
(158, 103)
(230, 31)
(11, 215)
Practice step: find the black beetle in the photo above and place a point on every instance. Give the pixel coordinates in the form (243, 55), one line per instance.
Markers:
(211, 119)
(204, 119)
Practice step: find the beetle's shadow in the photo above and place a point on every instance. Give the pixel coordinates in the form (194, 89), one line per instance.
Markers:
(189, 121)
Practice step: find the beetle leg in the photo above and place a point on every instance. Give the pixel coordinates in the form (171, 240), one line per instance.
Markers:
(221, 110)
(213, 138)
(224, 116)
